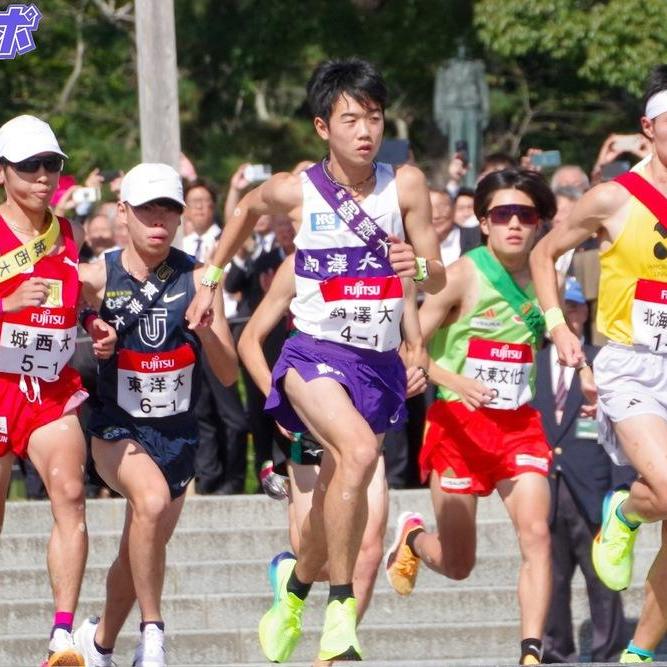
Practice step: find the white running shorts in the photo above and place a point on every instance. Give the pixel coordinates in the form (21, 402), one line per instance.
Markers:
(631, 381)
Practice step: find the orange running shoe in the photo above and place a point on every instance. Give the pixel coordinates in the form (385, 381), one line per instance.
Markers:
(401, 565)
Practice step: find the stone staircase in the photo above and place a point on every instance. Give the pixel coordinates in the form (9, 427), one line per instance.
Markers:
(217, 589)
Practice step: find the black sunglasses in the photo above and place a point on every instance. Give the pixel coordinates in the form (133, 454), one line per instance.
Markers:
(501, 215)
(52, 163)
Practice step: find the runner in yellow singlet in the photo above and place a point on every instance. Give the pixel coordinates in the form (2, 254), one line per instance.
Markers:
(631, 370)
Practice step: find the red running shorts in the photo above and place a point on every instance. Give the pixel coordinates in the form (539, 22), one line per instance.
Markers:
(473, 451)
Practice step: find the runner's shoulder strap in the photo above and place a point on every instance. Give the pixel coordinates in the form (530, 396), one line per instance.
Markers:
(647, 194)
(505, 285)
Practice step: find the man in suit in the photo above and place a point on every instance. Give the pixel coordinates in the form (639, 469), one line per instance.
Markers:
(581, 475)
(220, 462)
(454, 240)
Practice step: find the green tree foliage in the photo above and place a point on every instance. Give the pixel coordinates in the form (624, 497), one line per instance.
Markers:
(559, 71)
(252, 58)
(608, 42)
(565, 73)
(81, 78)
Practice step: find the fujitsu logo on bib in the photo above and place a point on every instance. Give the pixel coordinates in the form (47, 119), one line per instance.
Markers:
(157, 364)
(504, 353)
(361, 289)
(46, 317)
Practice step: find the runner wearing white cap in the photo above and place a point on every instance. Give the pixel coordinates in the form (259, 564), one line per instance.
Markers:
(39, 391)
(144, 435)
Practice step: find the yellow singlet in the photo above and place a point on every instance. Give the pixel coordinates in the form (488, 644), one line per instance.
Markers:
(632, 300)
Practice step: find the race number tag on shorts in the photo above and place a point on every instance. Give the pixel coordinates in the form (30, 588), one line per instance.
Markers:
(502, 367)
(649, 315)
(155, 384)
(37, 341)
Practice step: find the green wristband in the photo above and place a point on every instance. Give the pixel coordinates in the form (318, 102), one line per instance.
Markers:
(422, 269)
(212, 276)
(553, 317)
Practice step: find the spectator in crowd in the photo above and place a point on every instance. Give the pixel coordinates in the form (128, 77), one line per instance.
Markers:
(496, 162)
(456, 171)
(580, 477)
(463, 206)
(615, 149)
(454, 240)
(570, 176)
(223, 427)
(99, 236)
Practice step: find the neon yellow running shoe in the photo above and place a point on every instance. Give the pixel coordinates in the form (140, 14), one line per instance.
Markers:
(628, 658)
(339, 637)
(280, 627)
(612, 547)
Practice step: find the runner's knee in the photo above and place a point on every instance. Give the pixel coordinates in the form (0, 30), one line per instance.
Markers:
(458, 568)
(151, 506)
(66, 492)
(362, 458)
(534, 538)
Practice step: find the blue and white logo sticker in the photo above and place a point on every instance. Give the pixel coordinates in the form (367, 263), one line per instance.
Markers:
(324, 222)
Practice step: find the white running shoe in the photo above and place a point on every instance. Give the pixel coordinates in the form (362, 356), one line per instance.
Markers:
(62, 651)
(84, 640)
(150, 649)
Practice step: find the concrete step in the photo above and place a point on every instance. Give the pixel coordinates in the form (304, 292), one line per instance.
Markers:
(216, 512)
(238, 611)
(381, 643)
(249, 575)
(493, 537)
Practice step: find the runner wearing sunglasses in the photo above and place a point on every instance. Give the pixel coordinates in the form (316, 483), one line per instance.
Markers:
(481, 435)
(39, 391)
(628, 216)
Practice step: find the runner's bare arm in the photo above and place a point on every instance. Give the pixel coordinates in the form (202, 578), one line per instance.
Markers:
(281, 194)
(415, 206)
(588, 216)
(413, 352)
(436, 307)
(272, 307)
(437, 310)
(78, 233)
(218, 343)
(93, 278)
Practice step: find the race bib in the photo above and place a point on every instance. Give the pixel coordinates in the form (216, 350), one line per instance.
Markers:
(155, 384)
(37, 341)
(649, 315)
(364, 312)
(502, 367)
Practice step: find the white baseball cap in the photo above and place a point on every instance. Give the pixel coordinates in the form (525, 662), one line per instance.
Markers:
(151, 180)
(25, 136)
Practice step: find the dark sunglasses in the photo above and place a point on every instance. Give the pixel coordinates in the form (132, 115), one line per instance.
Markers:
(501, 215)
(52, 163)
